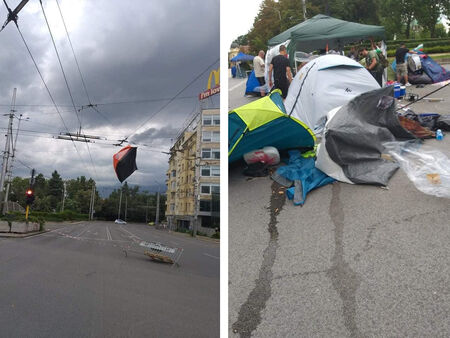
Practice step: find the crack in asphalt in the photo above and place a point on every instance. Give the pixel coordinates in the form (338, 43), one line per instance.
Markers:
(344, 280)
(249, 316)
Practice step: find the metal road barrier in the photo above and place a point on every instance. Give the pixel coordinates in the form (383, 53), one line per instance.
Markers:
(156, 251)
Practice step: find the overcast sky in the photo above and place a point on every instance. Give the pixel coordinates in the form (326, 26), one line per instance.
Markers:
(127, 51)
(241, 15)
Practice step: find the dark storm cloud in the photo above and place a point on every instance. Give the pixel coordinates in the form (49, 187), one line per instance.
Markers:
(127, 51)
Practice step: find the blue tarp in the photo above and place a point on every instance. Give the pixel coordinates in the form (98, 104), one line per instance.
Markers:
(252, 87)
(304, 174)
(242, 57)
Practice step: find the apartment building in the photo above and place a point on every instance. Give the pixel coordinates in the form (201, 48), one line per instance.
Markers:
(193, 177)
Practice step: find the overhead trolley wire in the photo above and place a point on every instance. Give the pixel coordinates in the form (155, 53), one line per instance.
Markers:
(67, 83)
(171, 100)
(73, 52)
(48, 90)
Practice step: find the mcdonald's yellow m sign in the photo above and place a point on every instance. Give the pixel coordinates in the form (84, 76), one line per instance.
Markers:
(216, 89)
(216, 74)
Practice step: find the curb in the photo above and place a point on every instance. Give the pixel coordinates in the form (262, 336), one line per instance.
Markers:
(201, 238)
(16, 235)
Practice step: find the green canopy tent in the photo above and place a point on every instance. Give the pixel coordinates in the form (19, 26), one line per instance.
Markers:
(322, 30)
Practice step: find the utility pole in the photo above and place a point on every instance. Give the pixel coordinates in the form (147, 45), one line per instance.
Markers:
(64, 196)
(126, 207)
(146, 213)
(157, 209)
(6, 153)
(93, 202)
(10, 166)
(304, 9)
(120, 202)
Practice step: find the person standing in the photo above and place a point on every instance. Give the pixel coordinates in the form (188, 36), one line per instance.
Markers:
(402, 69)
(282, 74)
(373, 64)
(259, 66)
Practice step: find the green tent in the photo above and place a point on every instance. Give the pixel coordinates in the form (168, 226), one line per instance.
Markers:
(321, 30)
(262, 123)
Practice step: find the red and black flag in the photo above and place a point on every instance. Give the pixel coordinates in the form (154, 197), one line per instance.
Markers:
(125, 162)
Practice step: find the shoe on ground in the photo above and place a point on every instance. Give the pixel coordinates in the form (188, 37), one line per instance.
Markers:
(407, 84)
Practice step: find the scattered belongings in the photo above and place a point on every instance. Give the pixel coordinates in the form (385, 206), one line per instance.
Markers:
(429, 170)
(262, 123)
(422, 69)
(433, 99)
(301, 176)
(257, 169)
(443, 122)
(267, 155)
(324, 83)
(352, 145)
(414, 127)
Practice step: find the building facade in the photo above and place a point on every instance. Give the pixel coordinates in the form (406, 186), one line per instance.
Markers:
(193, 177)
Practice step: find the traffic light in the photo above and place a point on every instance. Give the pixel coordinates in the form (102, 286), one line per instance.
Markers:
(29, 196)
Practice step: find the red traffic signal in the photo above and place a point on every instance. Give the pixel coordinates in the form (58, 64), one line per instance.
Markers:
(29, 197)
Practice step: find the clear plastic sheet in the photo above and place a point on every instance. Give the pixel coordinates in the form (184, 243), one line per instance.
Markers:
(428, 169)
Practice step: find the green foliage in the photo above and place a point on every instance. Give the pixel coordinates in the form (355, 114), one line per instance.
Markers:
(402, 18)
(216, 235)
(66, 215)
(19, 217)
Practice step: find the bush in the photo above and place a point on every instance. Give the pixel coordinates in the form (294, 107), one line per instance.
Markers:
(66, 215)
(216, 235)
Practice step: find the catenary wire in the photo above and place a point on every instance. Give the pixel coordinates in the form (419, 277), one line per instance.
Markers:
(67, 83)
(173, 98)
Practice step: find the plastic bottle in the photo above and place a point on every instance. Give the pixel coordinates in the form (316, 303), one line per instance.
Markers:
(439, 135)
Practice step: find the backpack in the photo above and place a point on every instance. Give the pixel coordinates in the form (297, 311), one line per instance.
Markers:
(383, 61)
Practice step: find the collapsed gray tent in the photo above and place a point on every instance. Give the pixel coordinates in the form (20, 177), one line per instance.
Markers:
(353, 141)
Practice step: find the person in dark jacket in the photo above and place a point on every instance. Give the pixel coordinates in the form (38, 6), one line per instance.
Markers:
(282, 74)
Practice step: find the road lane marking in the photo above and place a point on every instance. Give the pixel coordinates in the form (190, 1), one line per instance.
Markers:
(108, 234)
(235, 86)
(82, 232)
(215, 257)
(131, 234)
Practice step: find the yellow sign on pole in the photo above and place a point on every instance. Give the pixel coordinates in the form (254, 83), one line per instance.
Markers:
(26, 212)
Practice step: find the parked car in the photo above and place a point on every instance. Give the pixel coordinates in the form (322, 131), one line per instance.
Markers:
(119, 221)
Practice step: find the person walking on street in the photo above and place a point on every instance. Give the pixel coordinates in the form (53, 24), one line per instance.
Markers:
(402, 69)
(282, 74)
(373, 64)
(259, 66)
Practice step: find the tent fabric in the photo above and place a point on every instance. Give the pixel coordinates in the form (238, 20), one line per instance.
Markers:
(324, 83)
(124, 162)
(354, 139)
(435, 71)
(303, 174)
(321, 31)
(262, 123)
(252, 86)
(242, 57)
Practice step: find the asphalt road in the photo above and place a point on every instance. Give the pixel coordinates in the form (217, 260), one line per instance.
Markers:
(75, 281)
(354, 261)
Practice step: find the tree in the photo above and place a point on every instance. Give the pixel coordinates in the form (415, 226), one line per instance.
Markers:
(55, 189)
(241, 40)
(429, 11)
